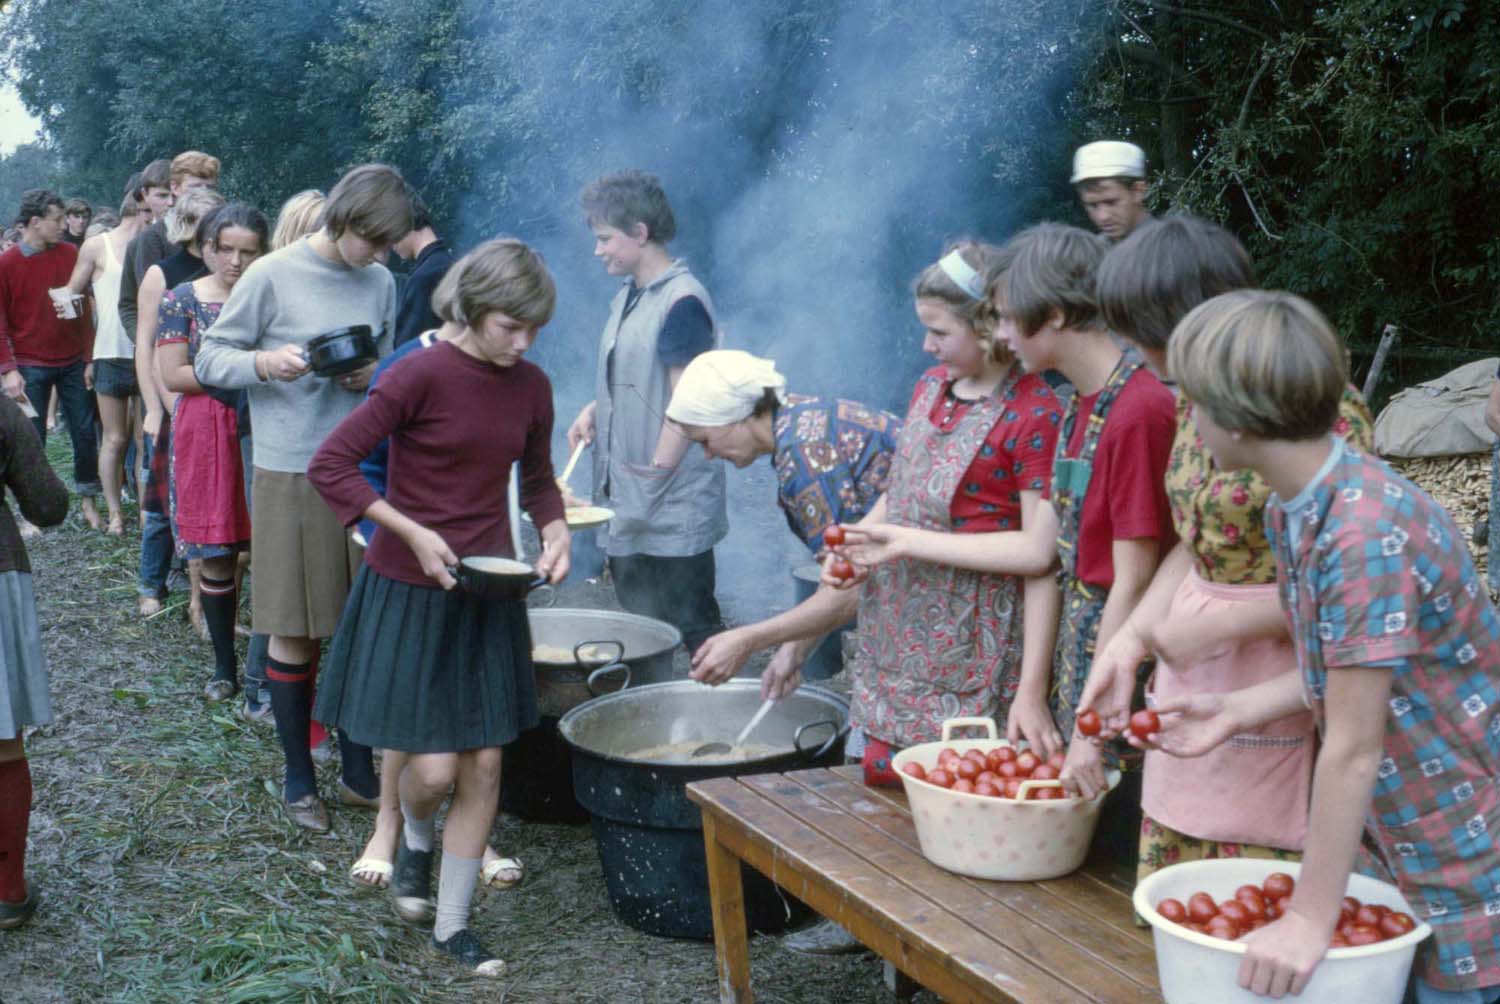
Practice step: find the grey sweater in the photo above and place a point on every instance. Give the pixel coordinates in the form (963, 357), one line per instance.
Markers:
(290, 297)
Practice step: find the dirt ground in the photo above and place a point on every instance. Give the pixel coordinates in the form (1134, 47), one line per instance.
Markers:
(168, 873)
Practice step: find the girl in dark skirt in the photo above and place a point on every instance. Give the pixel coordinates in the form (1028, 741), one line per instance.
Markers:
(418, 666)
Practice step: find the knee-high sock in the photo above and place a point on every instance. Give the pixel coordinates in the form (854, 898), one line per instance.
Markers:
(456, 881)
(219, 603)
(289, 684)
(15, 817)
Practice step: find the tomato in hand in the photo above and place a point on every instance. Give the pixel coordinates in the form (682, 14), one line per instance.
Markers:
(1201, 907)
(841, 570)
(833, 536)
(1277, 885)
(1144, 723)
(915, 770)
(1173, 910)
(1088, 723)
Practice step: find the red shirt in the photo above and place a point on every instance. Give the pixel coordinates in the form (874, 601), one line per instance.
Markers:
(455, 425)
(1127, 494)
(31, 333)
(1016, 455)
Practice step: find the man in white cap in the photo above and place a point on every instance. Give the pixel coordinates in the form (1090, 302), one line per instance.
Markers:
(1110, 178)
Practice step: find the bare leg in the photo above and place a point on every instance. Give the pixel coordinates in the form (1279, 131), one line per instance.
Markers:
(114, 416)
(195, 598)
(381, 846)
(475, 800)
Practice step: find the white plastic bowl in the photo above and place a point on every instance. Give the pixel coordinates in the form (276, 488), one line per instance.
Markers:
(994, 838)
(1197, 969)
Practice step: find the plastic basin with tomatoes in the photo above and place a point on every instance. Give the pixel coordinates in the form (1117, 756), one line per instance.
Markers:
(990, 837)
(1195, 967)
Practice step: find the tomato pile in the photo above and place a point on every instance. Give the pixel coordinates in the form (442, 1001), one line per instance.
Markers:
(1253, 907)
(996, 774)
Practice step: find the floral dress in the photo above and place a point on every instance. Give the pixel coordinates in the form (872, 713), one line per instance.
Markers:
(210, 517)
(1374, 573)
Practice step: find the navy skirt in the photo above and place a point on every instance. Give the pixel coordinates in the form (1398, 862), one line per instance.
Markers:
(425, 670)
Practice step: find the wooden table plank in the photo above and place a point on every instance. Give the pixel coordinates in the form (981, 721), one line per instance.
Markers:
(944, 954)
(1092, 947)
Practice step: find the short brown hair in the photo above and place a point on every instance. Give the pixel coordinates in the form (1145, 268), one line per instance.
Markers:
(503, 275)
(1263, 363)
(371, 202)
(1053, 271)
(77, 205)
(1151, 279)
(934, 283)
(157, 174)
(197, 164)
(625, 198)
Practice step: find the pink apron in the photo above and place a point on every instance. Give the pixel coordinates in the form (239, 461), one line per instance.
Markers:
(935, 642)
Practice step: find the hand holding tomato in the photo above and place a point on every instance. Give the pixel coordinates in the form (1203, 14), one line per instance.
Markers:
(833, 536)
(840, 573)
(871, 544)
(1190, 726)
(1111, 681)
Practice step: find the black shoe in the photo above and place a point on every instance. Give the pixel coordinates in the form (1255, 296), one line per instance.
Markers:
(466, 950)
(411, 885)
(13, 915)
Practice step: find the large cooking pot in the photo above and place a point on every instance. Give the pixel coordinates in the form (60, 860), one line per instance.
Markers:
(650, 836)
(602, 651)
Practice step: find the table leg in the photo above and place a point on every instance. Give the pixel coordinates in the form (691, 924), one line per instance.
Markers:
(727, 891)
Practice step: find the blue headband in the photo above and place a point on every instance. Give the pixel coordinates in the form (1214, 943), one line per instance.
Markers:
(962, 274)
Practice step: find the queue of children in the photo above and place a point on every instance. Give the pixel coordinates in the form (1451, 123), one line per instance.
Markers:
(1012, 548)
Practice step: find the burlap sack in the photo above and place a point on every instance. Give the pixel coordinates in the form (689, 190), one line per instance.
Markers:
(1441, 417)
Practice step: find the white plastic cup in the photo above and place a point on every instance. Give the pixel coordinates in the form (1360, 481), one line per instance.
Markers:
(66, 301)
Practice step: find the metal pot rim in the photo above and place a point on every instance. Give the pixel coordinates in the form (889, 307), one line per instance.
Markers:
(672, 636)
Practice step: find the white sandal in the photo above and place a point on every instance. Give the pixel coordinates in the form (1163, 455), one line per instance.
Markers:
(370, 873)
(502, 873)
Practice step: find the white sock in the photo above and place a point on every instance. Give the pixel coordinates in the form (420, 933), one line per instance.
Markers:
(418, 833)
(456, 882)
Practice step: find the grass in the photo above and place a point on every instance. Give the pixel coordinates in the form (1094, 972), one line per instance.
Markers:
(168, 873)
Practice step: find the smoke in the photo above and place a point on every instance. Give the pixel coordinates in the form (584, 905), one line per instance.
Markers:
(817, 158)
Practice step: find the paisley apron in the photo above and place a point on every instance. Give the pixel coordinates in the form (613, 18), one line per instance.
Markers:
(935, 642)
(1082, 602)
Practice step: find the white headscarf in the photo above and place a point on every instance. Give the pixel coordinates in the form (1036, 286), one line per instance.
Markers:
(723, 387)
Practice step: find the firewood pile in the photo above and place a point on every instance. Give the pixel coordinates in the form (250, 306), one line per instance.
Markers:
(1460, 484)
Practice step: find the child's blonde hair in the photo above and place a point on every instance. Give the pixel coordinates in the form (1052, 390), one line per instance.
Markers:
(298, 218)
(193, 206)
(503, 275)
(972, 306)
(1263, 363)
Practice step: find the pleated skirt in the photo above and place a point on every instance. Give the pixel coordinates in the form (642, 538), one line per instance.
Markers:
(23, 669)
(424, 670)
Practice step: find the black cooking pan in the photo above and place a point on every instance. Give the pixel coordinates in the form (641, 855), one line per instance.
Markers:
(496, 578)
(341, 351)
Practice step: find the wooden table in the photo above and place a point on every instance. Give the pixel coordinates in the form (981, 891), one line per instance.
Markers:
(850, 852)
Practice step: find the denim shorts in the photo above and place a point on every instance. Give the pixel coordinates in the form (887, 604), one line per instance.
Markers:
(115, 377)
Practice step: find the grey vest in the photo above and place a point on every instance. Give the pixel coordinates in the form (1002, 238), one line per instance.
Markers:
(670, 514)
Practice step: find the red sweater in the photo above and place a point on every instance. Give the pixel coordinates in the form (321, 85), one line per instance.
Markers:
(455, 424)
(31, 333)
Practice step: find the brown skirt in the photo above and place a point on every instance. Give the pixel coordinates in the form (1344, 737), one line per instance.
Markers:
(304, 560)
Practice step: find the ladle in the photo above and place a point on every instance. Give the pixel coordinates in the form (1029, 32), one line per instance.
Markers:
(715, 748)
(573, 460)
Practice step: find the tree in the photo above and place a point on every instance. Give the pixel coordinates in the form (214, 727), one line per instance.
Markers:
(30, 165)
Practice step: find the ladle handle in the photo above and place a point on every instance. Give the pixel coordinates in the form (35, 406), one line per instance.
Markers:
(797, 736)
(573, 460)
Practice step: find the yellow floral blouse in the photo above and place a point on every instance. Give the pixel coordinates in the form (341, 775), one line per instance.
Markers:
(1219, 514)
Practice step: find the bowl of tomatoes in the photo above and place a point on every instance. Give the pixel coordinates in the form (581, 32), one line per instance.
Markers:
(993, 810)
(1201, 911)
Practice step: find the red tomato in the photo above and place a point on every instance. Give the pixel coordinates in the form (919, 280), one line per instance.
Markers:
(1339, 941)
(841, 569)
(986, 789)
(1046, 794)
(963, 784)
(1144, 723)
(1396, 923)
(1277, 885)
(1348, 909)
(940, 777)
(915, 770)
(1363, 934)
(977, 756)
(1045, 772)
(989, 777)
(1253, 899)
(1027, 761)
(833, 536)
(1283, 905)
(1222, 927)
(992, 762)
(1173, 910)
(1005, 754)
(1201, 907)
(1367, 916)
(1195, 926)
(1057, 759)
(1088, 723)
(1009, 770)
(1012, 786)
(967, 769)
(1272, 911)
(1235, 911)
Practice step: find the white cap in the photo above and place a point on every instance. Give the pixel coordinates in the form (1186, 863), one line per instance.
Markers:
(1108, 159)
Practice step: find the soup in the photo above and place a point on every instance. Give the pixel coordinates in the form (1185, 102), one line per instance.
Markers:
(498, 566)
(683, 752)
(557, 654)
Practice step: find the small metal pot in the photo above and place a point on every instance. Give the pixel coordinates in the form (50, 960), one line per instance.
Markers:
(341, 351)
(496, 578)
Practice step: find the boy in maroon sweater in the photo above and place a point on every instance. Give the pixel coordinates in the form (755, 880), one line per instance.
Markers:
(40, 350)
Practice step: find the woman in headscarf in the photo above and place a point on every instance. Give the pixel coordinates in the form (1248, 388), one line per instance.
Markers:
(832, 459)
